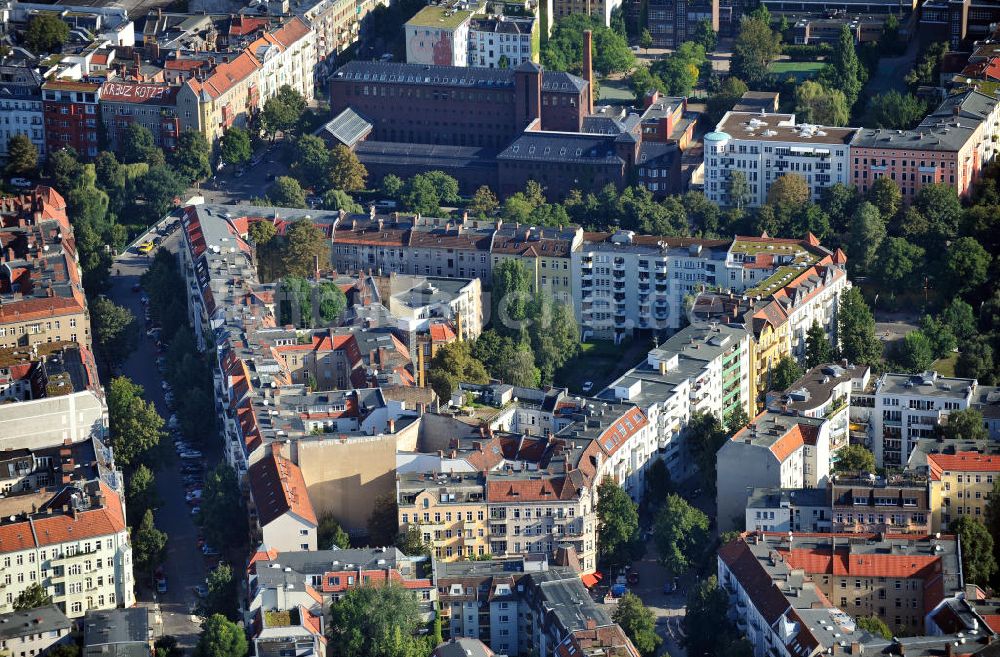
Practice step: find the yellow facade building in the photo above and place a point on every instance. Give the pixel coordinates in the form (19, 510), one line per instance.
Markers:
(449, 510)
(961, 484)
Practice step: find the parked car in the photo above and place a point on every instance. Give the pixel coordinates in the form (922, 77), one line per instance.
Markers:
(209, 551)
(195, 510)
(587, 386)
(136, 287)
(201, 590)
(161, 585)
(190, 455)
(146, 247)
(633, 577)
(385, 205)
(21, 182)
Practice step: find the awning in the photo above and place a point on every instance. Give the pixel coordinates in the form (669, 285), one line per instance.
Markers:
(590, 580)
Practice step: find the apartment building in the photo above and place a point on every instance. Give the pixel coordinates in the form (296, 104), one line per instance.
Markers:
(546, 253)
(504, 41)
(764, 147)
(126, 632)
(439, 34)
(628, 282)
(49, 394)
(228, 96)
(284, 516)
(950, 146)
(64, 529)
(21, 105)
(153, 106)
(41, 290)
(800, 594)
(71, 115)
(286, 56)
(34, 631)
(336, 25)
(415, 302)
(698, 369)
(824, 392)
(960, 485)
(868, 504)
(774, 451)
(449, 510)
(523, 605)
(909, 407)
(788, 510)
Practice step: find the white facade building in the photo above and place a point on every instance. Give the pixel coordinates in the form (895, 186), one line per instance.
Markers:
(287, 56)
(766, 146)
(21, 107)
(505, 38)
(438, 35)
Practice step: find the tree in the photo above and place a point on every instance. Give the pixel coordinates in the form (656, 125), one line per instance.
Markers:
(166, 646)
(511, 294)
(884, 194)
(223, 593)
(383, 523)
(220, 637)
(680, 533)
(375, 621)
(855, 459)
(287, 193)
(454, 364)
(282, 111)
(818, 348)
(46, 33)
(874, 626)
(898, 260)
(331, 302)
(345, 171)
(223, 517)
(392, 186)
(32, 597)
(705, 435)
(705, 35)
(789, 190)
(915, 353)
(960, 319)
(845, 71)
(411, 542)
(638, 623)
(115, 331)
(134, 425)
(966, 424)
(518, 368)
(739, 189)
(235, 146)
(138, 144)
(967, 264)
(929, 67)
(617, 522)
(160, 188)
(331, 535)
(708, 630)
(858, 343)
(992, 517)
(978, 562)
(304, 242)
(191, 158)
(938, 333)
(484, 202)
(22, 156)
(148, 543)
(554, 334)
(261, 232)
(724, 98)
(336, 199)
(895, 111)
(141, 491)
(679, 70)
(564, 49)
(64, 168)
(815, 103)
(785, 373)
(939, 206)
(736, 420)
(422, 195)
(658, 484)
(755, 48)
(975, 361)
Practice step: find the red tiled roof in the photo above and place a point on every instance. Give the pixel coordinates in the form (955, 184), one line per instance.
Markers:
(227, 75)
(277, 487)
(899, 566)
(962, 462)
(604, 640)
(618, 433)
(740, 560)
(291, 32)
(442, 332)
(108, 519)
(40, 308)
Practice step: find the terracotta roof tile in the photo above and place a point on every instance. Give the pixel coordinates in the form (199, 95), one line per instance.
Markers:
(277, 487)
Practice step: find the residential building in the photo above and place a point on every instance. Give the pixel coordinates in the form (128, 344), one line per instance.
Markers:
(667, 119)
(800, 594)
(286, 56)
(106, 24)
(66, 532)
(774, 451)
(764, 147)
(788, 510)
(228, 96)
(284, 515)
(950, 147)
(438, 35)
(672, 22)
(34, 631)
(826, 29)
(41, 290)
(524, 605)
(449, 510)
(544, 252)
(909, 407)
(504, 41)
(298, 630)
(960, 485)
(126, 632)
(697, 370)
(21, 105)
(462, 647)
(418, 301)
(49, 395)
(153, 106)
(71, 115)
(870, 504)
(628, 282)
(824, 392)
(335, 25)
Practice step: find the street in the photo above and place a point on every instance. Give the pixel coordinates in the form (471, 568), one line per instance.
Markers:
(184, 565)
(668, 607)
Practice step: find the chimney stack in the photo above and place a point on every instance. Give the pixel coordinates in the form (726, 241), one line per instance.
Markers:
(588, 68)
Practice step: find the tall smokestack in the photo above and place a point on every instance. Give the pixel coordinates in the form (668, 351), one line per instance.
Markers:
(588, 68)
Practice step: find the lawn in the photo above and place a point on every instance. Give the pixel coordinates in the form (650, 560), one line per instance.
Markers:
(945, 366)
(801, 70)
(600, 362)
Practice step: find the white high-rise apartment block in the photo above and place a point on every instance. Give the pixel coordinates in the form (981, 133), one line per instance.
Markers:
(764, 147)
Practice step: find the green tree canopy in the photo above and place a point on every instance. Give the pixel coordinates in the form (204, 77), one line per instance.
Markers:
(261, 232)
(383, 523)
(287, 193)
(898, 260)
(638, 623)
(818, 348)
(282, 111)
(815, 103)
(32, 597)
(705, 435)
(705, 35)
(304, 242)
(138, 144)
(221, 637)
(484, 202)
(978, 562)
(223, 514)
(141, 492)
(966, 424)
(724, 98)
(874, 625)
(708, 630)
(331, 302)
(191, 159)
(942, 340)
(337, 199)
(858, 343)
(789, 190)
(854, 458)
(134, 425)
(22, 156)
(235, 146)
(967, 264)
(680, 533)
(160, 187)
(330, 534)
(115, 331)
(564, 49)
(895, 111)
(845, 72)
(375, 621)
(454, 364)
(148, 543)
(617, 522)
(223, 593)
(679, 70)
(960, 318)
(915, 352)
(785, 373)
(46, 33)
(755, 48)
(345, 171)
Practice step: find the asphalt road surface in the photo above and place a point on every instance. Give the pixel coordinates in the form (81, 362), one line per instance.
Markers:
(184, 566)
